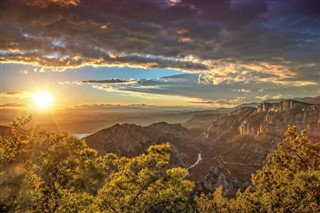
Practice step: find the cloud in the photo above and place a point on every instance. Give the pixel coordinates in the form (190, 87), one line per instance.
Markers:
(12, 93)
(46, 3)
(24, 72)
(106, 81)
(16, 94)
(276, 97)
(223, 102)
(241, 90)
(269, 98)
(233, 41)
(192, 88)
(105, 26)
(12, 105)
(264, 97)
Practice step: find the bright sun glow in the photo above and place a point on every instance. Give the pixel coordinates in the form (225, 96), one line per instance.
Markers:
(42, 100)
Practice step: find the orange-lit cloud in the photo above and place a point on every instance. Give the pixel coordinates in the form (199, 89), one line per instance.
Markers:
(46, 3)
(16, 94)
(248, 45)
(12, 105)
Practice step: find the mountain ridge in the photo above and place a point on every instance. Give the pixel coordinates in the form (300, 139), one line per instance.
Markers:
(232, 144)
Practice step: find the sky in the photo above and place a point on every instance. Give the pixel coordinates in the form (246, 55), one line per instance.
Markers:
(217, 53)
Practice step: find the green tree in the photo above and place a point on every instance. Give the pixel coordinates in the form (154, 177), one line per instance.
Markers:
(290, 178)
(145, 184)
(215, 204)
(288, 182)
(56, 172)
(59, 166)
(13, 153)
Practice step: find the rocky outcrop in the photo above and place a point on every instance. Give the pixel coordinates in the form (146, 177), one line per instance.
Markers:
(242, 139)
(233, 145)
(273, 119)
(131, 140)
(282, 106)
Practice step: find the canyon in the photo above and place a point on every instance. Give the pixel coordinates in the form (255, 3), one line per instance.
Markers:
(219, 148)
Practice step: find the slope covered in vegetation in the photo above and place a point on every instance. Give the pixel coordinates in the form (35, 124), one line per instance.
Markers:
(288, 182)
(56, 172)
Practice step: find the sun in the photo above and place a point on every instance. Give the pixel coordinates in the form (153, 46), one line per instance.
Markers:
(42, 100)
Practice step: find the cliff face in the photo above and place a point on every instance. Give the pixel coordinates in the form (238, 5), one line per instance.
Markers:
(282, 106)
(232, 145)
(267, 120)
(240, 140)
(273, 119)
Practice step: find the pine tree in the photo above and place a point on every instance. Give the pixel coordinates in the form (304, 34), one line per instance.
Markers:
(288, 182)
(56, 172)
(290, 178)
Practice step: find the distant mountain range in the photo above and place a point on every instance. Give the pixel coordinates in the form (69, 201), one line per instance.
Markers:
(220, 147)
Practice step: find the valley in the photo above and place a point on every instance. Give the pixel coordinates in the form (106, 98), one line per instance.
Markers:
(217, 148)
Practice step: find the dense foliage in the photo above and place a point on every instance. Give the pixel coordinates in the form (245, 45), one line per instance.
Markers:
(288, 182)
(56, 172)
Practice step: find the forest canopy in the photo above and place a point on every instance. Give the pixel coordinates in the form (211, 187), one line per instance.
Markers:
(56, 172)
(288, 182)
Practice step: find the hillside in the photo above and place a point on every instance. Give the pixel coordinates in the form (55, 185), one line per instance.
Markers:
(132, 140)
(229, 146)
(4, 130)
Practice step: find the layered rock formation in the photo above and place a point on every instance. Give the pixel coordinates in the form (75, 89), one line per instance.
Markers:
(273, 118)
(232, 145)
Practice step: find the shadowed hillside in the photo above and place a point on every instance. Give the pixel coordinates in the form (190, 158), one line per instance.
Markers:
(233, 144)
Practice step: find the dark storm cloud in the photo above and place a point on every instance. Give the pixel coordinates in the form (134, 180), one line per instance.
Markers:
(227, 39)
